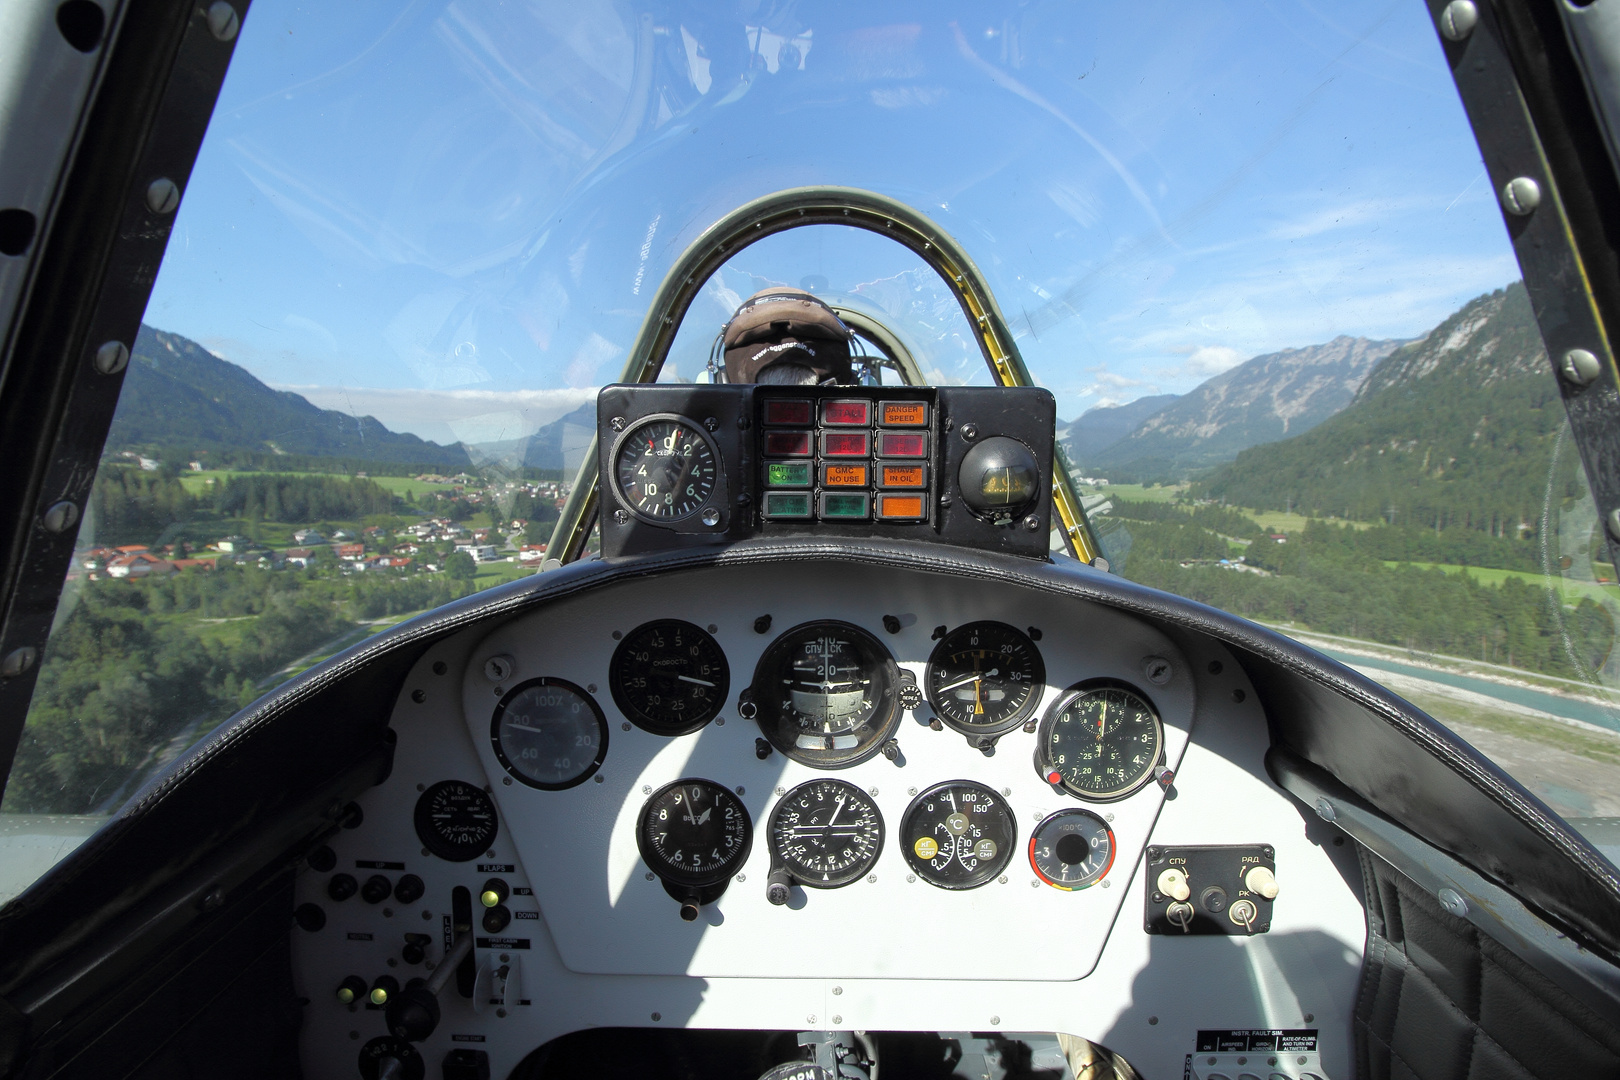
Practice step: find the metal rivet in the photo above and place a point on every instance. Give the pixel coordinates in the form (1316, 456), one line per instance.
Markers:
(222, 21)
(600, 779)
(1452, 901)
(1579, 367)
(1153, 1021)
(1457, 19)
(112, 357)
(1325, 811)
(60, 517)
(162, 196)
(1521, 196)
(18, 661)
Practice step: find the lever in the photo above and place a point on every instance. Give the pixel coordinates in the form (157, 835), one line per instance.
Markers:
(413, 1013)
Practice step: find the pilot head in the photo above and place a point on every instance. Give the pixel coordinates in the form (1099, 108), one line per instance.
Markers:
(787, 337)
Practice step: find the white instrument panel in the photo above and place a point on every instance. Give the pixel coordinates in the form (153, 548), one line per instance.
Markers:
(595, 944)
(579, 845)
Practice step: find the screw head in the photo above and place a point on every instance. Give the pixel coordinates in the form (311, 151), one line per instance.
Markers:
(1521, 196)
(837, 990)
(711, 424)
(970, 432)
(112, 357)
(1033, 523)
(1157, 669)
(838, 1019)
(1452, 901)
(1325, 811)
(646, 789)
(995, 1020)
(223, 22)
(1579, 367)
(497, 668)
(711, 517)
(1457, 19)
(617, 423)
(162, 196)
(621, 516)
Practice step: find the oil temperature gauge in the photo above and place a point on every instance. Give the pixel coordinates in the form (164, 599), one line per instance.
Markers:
(958, 835)
(1071, 849)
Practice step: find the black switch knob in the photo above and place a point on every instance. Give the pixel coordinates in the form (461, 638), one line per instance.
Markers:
(414, 1014)
(779, 886)
(415, 950)
(409, 889)
(1213, 899)
(376, 889)
(309, 917)
(322, 859)
(351, 989)
(762, 749)
(497, 918)
(341, 887)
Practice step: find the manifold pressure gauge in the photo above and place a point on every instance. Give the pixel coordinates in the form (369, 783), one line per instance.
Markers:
(1100, 742)
(1071, 849)
(665, 468)
(694, 834)
(824, 834)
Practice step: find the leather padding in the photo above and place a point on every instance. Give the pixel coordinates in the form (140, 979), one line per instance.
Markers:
(1401, 761)
(1440, 1000)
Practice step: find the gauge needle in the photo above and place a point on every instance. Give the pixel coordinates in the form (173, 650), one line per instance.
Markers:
(970, 678)
(1102, 719)
(703, 817)
(839, 809)
(523, 727)
(690, 679)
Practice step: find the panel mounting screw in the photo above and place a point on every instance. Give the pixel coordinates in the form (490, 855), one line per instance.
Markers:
(617, 423)
(1325, 811)
(1521, 196)
(970, 432)
(711, 424)
(162, 196)
(497, 668)
(223, 22)
(1579, 367)
(711, 517)
(621, 516)
(1033, 523)
(1452, 901)
(1457, 19)
(1157, 669)
(112, 357)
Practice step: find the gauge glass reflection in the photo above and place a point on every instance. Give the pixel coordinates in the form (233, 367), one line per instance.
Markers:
(549, 734)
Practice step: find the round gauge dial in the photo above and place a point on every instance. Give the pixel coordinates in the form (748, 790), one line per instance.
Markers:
(826, 694)
(669, 677)
(826, 833)
(958, 835)
(1071, 849)
(1100, 742)
(549, 734)
(985, 677)
(456, 820)
(694, 833)
(665, 468)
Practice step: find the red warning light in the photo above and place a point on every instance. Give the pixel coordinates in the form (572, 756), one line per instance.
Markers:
(844, 444)
(847, 413)
(792, 411)
(1054, 777)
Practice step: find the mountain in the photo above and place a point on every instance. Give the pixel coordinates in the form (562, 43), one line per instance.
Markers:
(1098, 428)
(557, 445)
(1455, 429)
(179, 395)
(1261, 400)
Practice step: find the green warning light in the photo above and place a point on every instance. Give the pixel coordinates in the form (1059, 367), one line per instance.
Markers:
(784, 504)
(787, 474)
(845, 506)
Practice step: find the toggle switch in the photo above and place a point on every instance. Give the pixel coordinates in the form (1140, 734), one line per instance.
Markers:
(1262, 882)
(376, 889)
(495, 893)
(384, 988)
(351, 989)
(1173, 883)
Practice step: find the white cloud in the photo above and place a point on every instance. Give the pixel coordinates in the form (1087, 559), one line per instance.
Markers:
(1207, 360)
(448, 416)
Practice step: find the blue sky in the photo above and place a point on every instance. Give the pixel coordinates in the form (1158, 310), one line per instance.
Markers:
(451, 215)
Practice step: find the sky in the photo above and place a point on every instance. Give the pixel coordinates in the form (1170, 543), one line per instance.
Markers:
(452, 216)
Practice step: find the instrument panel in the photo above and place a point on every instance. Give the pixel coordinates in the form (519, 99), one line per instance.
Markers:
(836, 752)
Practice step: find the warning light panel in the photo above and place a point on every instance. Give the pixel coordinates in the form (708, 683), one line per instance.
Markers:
(846, 413)
(844, 475)
(781, 505)
(787, 474)
(900, 507)
(903, 476)
(789, 444)
(902, 444)
(841, 444)
(788, 412)
(839, 506)
(903, 413)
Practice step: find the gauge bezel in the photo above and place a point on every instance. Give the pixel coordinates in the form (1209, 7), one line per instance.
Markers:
(1037, 680)
(644, 721)
(1043, 738)
(982, 876)
(628, 503)
(850, 874)
(1050, 819)
(767, 710)
(675, 875)
(436, 844)
(513, 770)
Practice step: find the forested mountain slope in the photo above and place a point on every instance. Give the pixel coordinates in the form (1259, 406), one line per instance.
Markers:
(180, 397)
(1454, 430)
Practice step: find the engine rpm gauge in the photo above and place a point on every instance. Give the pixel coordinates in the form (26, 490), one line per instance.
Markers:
(694, 833)
(1100, 741)
(984, 678)
(1071, 849)
(455, 820)
(958, 835)
(664, 468)
(826, 833)
(669, 677)
(549, 734)
(826, 694)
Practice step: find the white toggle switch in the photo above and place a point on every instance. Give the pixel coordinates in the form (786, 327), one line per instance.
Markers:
(1261, 882)
(1173, 883)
